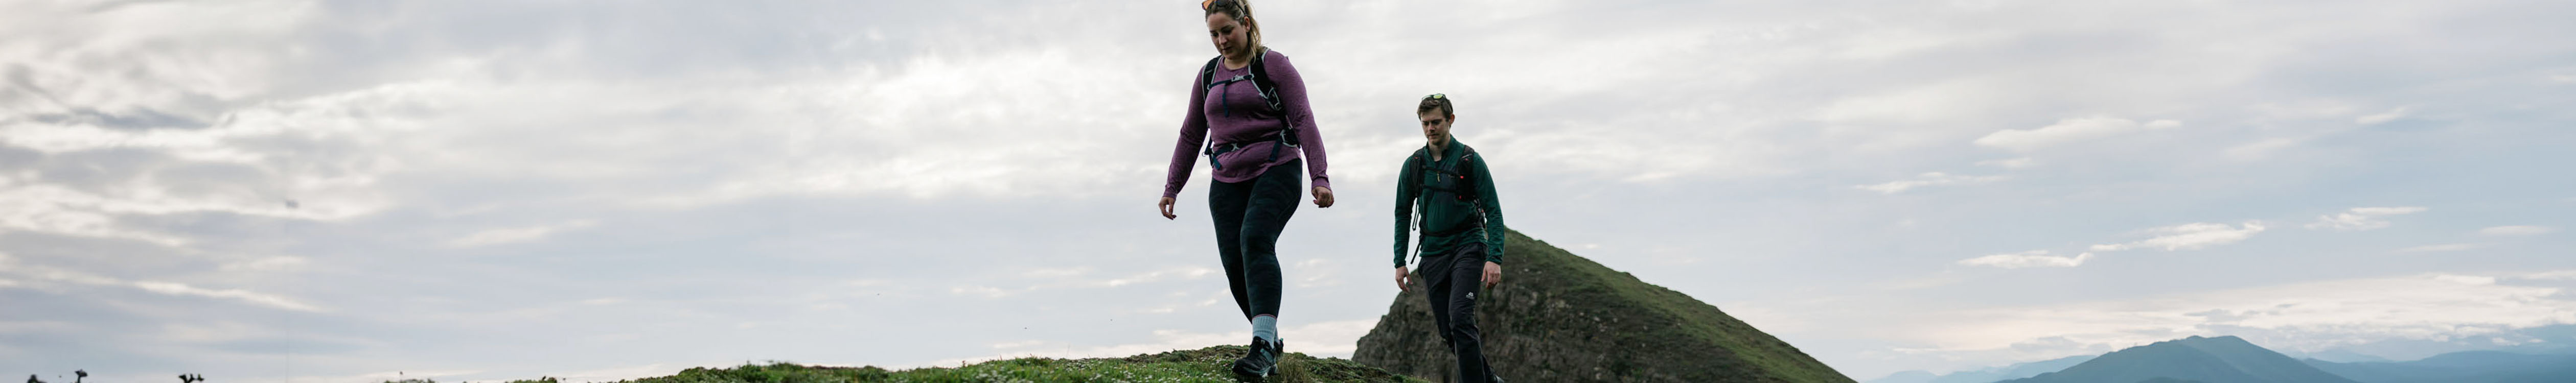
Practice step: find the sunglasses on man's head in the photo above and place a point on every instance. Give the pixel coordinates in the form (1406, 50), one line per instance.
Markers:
(1435, 96)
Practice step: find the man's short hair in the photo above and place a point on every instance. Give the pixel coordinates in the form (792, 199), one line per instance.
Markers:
(1436, 102)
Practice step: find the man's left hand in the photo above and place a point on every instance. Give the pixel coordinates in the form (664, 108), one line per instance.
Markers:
(1493, 274)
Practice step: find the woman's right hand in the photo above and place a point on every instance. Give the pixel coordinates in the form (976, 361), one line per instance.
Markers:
(1166, 205)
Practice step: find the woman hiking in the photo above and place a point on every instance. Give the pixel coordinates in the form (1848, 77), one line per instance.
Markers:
(1248, 106)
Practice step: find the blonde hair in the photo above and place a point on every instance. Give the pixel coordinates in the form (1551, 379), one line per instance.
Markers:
(1240, 10)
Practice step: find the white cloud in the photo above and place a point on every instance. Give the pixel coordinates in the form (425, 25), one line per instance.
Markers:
(2010, 163)
(987, 292)
(2033, 258)
(182, 289)
(60, 210)
(1072, 278)
(1924, 282)
(157, 287)
(2261, 149)
(1927, 179)
(252, 160)
(2190, 236)
(517, 234)
(278, 263)
(2516, 230)
(2309, 315)
(1183, 272)
(2447, 247)
(1058, 272)
(2362, 218)
(1317, 272)
(2383, 117)
(2388, 210)
(2069, 130)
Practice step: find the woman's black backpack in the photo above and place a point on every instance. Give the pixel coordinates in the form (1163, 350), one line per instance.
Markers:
(1260, 78)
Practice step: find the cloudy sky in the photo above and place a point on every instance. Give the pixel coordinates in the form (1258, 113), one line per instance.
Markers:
(469, 190)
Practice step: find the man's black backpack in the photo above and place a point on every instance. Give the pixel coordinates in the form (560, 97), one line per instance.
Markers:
(1458, 179)
(1260, 78)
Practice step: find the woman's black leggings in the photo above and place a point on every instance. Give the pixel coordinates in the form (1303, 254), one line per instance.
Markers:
(1249, 216)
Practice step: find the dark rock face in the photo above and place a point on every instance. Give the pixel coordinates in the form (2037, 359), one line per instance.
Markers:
(1561, 318)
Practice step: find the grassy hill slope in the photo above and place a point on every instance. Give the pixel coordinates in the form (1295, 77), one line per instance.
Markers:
(1558, 317)
(1201, 365)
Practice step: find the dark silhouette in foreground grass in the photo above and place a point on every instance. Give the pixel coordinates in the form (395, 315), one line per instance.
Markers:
(1200, 365)
(77, 377)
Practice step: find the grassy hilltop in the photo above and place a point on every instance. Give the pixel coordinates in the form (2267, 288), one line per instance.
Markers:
(1557, 318)
(1201, 365)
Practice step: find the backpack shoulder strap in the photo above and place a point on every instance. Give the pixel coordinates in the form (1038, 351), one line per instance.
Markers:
(1455, 178)
(1466, 157)
(1261, 81)
(1467, 175)
(1207, 71)
(1270, 95)
(1419, 163)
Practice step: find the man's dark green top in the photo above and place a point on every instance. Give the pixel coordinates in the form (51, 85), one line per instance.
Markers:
(1456, 196)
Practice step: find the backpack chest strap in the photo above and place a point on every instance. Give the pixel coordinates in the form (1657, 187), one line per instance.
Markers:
(1241, 77)
(1451, 178)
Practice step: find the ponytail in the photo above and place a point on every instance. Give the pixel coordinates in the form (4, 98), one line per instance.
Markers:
(1240, 10)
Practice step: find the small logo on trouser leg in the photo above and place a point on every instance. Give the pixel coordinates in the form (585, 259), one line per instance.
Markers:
(1471, 295)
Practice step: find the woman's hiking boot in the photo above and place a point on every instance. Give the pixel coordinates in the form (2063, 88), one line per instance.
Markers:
(1259, 360)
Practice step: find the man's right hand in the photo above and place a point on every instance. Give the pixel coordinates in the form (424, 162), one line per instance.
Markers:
(1166, 205)
(1400, 279)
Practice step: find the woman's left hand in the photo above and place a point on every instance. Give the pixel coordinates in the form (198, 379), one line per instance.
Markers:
(1323, 197)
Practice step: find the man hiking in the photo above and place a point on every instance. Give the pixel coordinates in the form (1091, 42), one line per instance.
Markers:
(1462, 232)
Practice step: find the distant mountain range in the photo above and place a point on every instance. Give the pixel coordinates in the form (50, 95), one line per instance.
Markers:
(2462, 367)
(2229, 359)
(2344, 356)
(1987, 375)
(2531, 340)
(2225, 359)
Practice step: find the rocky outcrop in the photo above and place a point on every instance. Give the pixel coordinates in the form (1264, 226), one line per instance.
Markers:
(1561, 318)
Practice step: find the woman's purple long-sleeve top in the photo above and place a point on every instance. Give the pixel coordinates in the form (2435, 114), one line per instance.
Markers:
(1234, 113)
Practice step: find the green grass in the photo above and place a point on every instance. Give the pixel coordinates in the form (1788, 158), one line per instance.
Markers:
(1211, 364)
(1702, 324)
